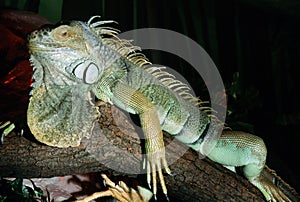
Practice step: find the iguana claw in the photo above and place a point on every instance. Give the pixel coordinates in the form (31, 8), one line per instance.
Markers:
(167, 197)
(155, 161)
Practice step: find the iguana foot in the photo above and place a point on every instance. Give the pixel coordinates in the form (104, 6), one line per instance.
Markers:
(121, 192)
(7, 128)
(154, 163)
(270, 191)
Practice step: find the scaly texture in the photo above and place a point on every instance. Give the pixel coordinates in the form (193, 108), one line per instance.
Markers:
(73, 62)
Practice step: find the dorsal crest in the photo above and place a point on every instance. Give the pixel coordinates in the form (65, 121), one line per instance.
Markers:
(109, 36)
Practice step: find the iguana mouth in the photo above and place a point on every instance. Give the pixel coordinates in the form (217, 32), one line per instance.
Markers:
(37, 48)
(33, 48)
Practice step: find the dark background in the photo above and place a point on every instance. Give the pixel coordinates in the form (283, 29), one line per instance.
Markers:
(259, 39)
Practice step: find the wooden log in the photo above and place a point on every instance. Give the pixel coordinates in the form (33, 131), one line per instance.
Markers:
(115, 148)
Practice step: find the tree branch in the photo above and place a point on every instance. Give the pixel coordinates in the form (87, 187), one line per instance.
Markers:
(115, 148)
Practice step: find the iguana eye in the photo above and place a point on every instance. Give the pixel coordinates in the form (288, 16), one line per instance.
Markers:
(62, 33)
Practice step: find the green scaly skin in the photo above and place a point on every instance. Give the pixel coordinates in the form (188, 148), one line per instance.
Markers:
(71, 61)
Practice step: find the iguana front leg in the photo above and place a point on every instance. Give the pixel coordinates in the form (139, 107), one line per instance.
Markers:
(133, 100)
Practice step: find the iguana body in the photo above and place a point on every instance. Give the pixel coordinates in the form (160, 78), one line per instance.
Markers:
(73, 61)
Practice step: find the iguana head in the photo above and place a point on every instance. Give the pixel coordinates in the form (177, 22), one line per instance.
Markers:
(67, 62)
(69, 54)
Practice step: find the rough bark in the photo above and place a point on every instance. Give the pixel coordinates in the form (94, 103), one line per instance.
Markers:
(116, 148)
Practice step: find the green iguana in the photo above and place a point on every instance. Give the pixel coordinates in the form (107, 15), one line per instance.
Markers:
(76, 61)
